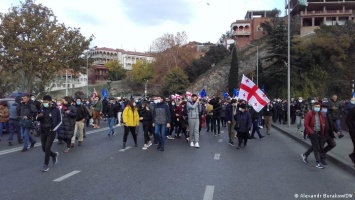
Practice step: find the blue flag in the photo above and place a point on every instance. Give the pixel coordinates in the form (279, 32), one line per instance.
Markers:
(262, 88)
(104, 93)
(225, 95)
(203, 93)
(236, 92)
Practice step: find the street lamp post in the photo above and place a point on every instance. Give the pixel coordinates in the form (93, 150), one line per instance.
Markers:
(87, 75)
(289, 64)
(257, 63)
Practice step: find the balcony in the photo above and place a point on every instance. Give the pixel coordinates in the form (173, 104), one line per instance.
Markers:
(326, 12)
(240, 33)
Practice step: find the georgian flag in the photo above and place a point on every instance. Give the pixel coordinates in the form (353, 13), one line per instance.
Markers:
(251, 93)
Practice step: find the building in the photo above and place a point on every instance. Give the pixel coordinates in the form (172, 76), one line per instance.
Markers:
(103, 55)
(249, 28)
(318, 12)
(74, 80)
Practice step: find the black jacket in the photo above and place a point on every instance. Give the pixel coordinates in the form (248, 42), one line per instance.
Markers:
(111, 110)
(81, 112)
(55, 118)
(68, 122)
(29, 110)
(350, 120)
(147, 117)
(329, 126)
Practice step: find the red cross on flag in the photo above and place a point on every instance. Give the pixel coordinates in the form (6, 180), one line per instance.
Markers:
(252, 94)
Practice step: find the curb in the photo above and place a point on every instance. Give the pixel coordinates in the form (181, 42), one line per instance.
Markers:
(346, 167)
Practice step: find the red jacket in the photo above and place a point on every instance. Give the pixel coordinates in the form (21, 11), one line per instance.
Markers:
(310, 121)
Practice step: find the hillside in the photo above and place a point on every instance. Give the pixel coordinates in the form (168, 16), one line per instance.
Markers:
(215, 80)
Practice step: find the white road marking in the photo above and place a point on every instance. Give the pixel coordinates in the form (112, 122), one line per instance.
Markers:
(12, 150)
(217, 156)
(209, 192)
(123, 150)
(66, 176)
(220, 140)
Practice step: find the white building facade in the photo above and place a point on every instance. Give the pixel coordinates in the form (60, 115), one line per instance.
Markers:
(103, 55)
(75, 80)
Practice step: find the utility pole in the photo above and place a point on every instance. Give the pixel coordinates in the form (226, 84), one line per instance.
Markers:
(289, 64)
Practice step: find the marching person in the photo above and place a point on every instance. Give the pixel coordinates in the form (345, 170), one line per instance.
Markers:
(50, 118)
(81, 115)
(145, 116)
(244, 122)
(314, 124)
(161, 121)
(27, 112)
(68, 113)
(14, 125)
(111, 113)
(193, 112)
(350, 122)
(4, 117)
(231, 111)
(131, 121)
(96, 112)
(329, 133)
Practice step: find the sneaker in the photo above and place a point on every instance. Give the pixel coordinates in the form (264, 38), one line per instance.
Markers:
(304, 158)
(261, 137)
(320, 166)
(145, 147)
(149, 144)
(124, 146)
(170, 137)
(80, 143)
(261, 127)
(340, 136)
(215, 135)
(239, 146)
(24, 150)
(33, 144)
(192, 144)
(197, 145)
(55, 158)
(45, 168)
(109, 135)
(10, 144)
(135, 145)
(67, 150)
(253, 137)
(232, 144)
(113, 133)
(161, 149)
(118, 125)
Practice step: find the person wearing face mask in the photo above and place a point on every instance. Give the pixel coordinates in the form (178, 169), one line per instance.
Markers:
(131, 121)
(173, 120)
(328, 133)
(231, 111)
(161, 121)
(59, 105)
(350, 122)
(145, 116)
(267, 114)
(68, 113)
(111, 111)
(96, 113)
(335, 110)
(88, 105)
(81, 115)
(314, 123)
(244, 121)
(50, 120)
(35, 102)
(193, 116)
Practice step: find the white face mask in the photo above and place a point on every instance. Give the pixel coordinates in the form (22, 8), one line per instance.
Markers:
(32, 98)
(300, 100)
(352, 102)
(240, 109)
(59, 104)
(87, 102)
(134, 104)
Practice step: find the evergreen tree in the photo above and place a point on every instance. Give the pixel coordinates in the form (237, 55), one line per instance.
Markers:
(234, 72)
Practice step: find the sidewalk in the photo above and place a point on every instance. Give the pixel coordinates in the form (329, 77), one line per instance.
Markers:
(339, 155)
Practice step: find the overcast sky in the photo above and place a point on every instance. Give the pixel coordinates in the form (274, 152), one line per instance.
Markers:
(134, 24)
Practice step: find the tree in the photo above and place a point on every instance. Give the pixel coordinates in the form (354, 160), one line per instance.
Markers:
(233, 73)
(36, 46)
(116, 71)
(142, 71)
(175, 81)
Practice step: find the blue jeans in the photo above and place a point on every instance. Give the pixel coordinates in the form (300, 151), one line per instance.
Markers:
(14, 126)
(111, 122)
(25, 132)
(337, 125)
(2, 126)
(256, 128)
(160, 130)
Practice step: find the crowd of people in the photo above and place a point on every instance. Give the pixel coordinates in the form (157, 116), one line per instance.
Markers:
(170, 118)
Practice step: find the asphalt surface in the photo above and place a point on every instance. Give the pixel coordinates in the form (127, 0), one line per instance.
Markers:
(270, 168)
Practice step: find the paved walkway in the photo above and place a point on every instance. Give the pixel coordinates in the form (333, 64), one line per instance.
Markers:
(339, 155)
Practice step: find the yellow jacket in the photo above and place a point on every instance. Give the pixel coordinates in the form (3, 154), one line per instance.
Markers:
(130, 118)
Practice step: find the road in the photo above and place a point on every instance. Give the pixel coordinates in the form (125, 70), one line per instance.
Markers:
(270, 168)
